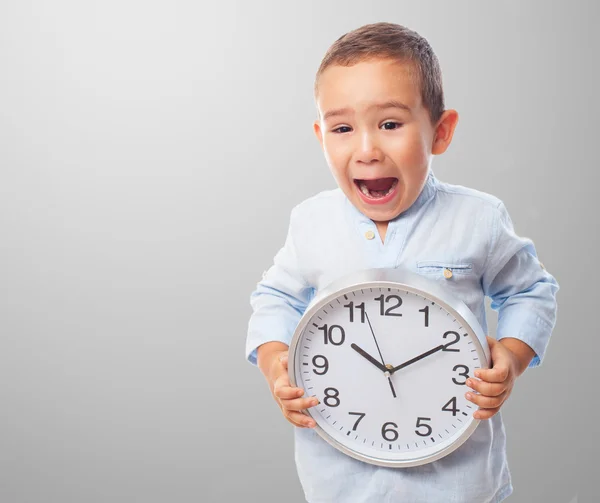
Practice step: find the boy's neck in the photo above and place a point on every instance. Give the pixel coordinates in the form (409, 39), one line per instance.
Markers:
(382, 228)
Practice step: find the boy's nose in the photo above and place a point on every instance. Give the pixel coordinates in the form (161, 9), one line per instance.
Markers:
(368, 150)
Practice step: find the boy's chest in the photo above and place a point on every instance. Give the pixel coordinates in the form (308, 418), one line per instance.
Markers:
(449, 253)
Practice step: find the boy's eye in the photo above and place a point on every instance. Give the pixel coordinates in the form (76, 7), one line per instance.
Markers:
(389, 125)
(392, 125)
(338, 130)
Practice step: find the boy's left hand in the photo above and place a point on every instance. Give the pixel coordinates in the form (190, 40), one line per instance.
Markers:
(496, 383)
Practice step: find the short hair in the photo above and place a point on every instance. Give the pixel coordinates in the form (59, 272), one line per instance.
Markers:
(391, 41)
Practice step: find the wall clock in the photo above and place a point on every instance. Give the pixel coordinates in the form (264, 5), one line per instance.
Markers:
(387, 352)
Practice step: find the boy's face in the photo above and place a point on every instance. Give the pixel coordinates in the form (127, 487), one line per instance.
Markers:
(376, 135)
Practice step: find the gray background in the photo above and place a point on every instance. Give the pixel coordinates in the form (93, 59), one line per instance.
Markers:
(150, 153)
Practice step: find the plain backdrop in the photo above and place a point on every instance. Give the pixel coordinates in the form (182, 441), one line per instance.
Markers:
(150, 154)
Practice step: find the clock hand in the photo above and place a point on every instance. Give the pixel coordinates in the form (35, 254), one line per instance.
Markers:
(362, 352)
(391, 385)
(366, 355)
(373, 333)
(417, 358)
(387, 373)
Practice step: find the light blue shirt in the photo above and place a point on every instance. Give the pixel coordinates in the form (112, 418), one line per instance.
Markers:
(447, 227)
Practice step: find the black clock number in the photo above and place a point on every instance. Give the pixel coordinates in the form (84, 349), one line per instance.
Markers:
(454, 410)
(386, 432)
(360, 307)
(324, 366)
(419, 424)
(360, 414)
(331, 395)
(464, 374)
(456, 339)
(388, 311)
(426, 311)
(328, 334)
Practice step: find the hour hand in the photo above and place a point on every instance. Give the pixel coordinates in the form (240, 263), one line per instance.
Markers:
(366, 355)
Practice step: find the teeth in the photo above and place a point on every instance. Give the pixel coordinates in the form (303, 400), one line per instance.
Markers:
(366, 192)
(363, 188)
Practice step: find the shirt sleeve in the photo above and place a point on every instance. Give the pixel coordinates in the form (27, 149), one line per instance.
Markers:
(521, 290)
(280, 298)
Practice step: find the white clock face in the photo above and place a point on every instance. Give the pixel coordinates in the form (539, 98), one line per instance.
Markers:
(415, 411)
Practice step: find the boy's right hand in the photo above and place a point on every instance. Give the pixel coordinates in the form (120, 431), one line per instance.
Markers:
(288, 397)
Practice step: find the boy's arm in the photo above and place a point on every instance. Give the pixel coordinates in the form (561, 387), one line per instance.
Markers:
(521, 290)
(279, 300)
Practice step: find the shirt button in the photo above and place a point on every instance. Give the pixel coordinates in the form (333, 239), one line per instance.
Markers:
(447, 273)
(369, 234)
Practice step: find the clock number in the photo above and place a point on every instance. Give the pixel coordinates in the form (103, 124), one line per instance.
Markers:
(464, 374)
(385, 431)
(328, 334)
(454, 410)
(361, 307)
(333, 396)
(389, 309)
(426, 311)
(324, 366)
(361, 414)
(419, 424)
(456, 339)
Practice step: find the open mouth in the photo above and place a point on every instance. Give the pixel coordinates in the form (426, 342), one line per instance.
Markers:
(377, 188)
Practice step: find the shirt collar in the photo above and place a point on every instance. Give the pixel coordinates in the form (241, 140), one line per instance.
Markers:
(427, 193)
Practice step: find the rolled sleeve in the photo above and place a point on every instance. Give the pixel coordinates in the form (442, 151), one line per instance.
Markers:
(521, 290)
(280, 298)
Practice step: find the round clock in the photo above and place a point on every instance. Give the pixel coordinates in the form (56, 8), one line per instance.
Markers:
(387, 352)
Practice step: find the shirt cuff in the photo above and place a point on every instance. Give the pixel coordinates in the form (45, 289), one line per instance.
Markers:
(257, 341)
(528, 327)
(270, 323)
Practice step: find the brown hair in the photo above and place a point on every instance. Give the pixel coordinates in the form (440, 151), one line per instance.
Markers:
(393, 41)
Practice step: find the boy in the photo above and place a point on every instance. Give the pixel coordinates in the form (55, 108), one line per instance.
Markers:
(381, 119)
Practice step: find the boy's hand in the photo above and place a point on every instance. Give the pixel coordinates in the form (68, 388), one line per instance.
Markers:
(496, 383)
(289, 398)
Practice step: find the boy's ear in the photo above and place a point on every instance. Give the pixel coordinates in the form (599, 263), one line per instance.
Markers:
(444, 131)
(318, 132)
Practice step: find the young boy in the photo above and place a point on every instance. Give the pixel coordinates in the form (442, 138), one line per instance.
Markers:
(381, 119)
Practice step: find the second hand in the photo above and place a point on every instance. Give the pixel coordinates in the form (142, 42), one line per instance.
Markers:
(387, 374)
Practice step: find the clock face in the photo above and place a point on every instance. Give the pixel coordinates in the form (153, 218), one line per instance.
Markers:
(389, 367)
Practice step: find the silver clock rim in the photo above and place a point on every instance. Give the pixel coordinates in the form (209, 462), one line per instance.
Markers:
(412, 282)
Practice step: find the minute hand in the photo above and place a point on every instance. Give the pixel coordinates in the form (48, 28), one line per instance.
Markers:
(417, 358)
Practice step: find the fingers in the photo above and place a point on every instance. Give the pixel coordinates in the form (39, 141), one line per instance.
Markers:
(486, 413)
(284, 391)
(291, 411)
(492, 386)
(299, 419)
(499, 373)
(291, 401)
(290, 398)
(486, 388)
(487, 402)
(300, 403)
